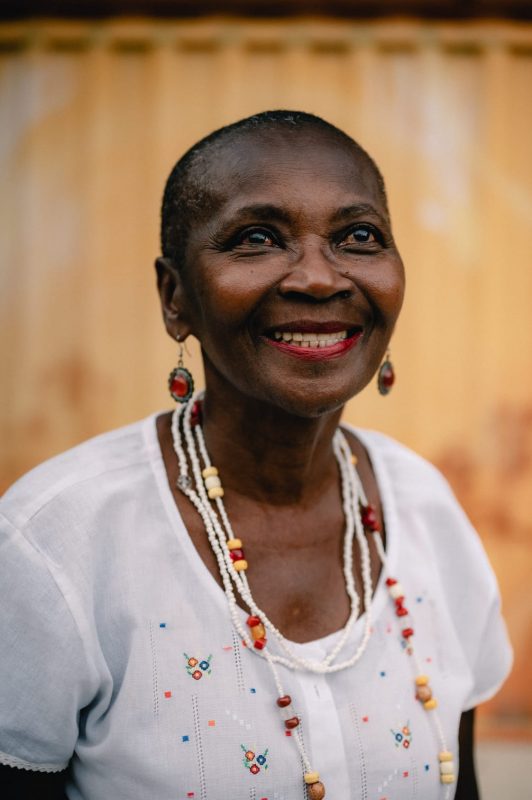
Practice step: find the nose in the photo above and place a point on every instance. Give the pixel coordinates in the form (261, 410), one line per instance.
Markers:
(316, 276)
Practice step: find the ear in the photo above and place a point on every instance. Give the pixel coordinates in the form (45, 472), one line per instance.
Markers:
(172, 295)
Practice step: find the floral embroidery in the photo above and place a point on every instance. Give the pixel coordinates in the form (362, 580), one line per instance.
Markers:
(196, 668)
(254, 762)
(403, 738)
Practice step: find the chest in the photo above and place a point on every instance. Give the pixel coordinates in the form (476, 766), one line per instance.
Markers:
(295, 552)
(296, 564)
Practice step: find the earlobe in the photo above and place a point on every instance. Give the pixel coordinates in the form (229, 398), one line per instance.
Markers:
(171, 293)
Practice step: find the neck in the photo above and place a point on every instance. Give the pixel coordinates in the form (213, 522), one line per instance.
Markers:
(265, 453)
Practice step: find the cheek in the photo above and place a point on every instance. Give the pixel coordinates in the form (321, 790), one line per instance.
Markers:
(385, 287)
(229, 296)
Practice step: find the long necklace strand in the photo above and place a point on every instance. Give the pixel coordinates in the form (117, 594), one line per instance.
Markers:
(184, 484)
(423, 690)
(205, 492)
(244, 590)
(219, 540)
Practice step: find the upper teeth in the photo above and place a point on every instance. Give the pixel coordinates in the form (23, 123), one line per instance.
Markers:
(311, 339)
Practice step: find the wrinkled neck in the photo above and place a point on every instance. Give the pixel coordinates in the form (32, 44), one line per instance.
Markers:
(264, 452)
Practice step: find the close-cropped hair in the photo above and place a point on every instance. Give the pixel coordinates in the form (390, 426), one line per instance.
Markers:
(188, 194)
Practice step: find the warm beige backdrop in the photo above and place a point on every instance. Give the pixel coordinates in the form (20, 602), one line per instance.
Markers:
(93, 115)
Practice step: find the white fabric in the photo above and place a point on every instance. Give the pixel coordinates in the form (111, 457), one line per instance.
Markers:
(103, 594)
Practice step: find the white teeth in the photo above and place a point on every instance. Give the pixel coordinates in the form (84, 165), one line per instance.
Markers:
(310, 339)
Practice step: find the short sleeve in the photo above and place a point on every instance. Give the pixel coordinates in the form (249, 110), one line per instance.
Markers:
(45, 675)
(493, 659)
(474, 602)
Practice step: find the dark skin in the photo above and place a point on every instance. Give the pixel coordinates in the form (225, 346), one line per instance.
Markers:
(274, 251)
(300, 231)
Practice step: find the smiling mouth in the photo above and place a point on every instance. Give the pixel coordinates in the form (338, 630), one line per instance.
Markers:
(314, 344)
(299, 339)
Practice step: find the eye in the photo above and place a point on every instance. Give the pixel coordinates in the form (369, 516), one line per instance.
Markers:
(362, 233)
(258, 237)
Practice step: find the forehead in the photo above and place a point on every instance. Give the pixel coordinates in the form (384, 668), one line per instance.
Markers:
(310, 168)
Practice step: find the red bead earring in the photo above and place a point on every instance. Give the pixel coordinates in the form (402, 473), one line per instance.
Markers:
(385, 375)
(180, 380)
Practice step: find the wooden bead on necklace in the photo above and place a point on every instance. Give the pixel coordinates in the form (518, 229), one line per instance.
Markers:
(316, 791)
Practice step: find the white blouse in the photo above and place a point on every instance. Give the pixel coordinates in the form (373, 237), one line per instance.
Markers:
(119, 658)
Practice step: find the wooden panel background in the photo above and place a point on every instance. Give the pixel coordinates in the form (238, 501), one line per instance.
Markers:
(93, 115)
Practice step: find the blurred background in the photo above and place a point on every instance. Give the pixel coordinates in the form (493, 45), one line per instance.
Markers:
(97, 102)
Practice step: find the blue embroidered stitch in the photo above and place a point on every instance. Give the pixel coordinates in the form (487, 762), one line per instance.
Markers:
(253, 762)
(193, 664)
(403, 738)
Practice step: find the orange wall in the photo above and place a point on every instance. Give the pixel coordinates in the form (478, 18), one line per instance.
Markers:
(93, 115)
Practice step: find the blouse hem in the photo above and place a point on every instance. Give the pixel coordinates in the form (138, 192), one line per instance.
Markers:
(19, 763)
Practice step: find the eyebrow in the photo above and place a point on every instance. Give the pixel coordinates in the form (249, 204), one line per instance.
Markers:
(264, 211)
(357, 210)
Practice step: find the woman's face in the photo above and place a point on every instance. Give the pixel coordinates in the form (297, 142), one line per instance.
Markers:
(293, 284)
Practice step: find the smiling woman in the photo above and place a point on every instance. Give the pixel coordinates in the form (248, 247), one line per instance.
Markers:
(209, 600)
(269, 252)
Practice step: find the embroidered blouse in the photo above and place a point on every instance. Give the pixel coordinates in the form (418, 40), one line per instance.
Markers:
(119, 658)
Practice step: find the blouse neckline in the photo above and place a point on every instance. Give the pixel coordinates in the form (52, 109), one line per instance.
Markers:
(317, 647)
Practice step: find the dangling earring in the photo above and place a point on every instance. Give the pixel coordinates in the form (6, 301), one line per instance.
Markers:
(180, 380)
(386, 375)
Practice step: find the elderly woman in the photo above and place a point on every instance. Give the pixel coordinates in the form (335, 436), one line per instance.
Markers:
(244, 599)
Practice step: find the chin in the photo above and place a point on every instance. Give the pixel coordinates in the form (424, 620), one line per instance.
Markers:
(309, 404)
(308, 397)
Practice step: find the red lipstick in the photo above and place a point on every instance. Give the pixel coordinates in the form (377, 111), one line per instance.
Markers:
(316, 353)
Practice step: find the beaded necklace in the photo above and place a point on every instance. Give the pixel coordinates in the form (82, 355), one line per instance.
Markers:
(205, 491)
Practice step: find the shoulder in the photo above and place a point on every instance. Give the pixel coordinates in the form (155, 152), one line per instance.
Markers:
(79, 476)
(427, 516)
(422, 506)
(412, 478)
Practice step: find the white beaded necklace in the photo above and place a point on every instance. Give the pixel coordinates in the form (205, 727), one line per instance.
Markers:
(205, 492)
